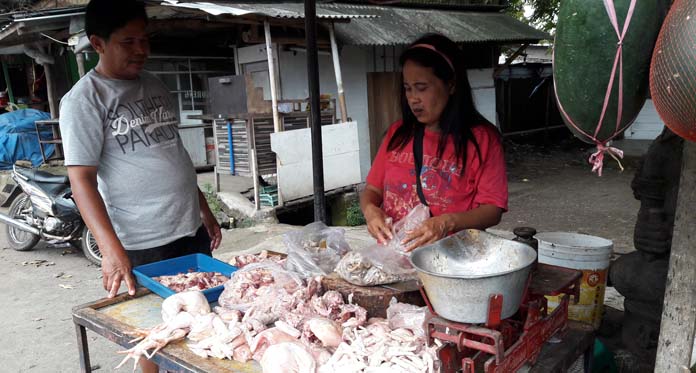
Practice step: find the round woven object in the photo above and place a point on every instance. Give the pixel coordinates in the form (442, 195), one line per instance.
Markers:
(673, 70)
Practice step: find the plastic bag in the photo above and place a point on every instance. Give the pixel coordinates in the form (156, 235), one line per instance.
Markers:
(383, 264)
(411, 221)
(315, 249)
(257, 282)
(404, 315)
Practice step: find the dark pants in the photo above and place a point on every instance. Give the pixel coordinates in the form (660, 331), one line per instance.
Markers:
(198, 244)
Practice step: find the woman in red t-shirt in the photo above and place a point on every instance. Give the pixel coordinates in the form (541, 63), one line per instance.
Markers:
(463, 170)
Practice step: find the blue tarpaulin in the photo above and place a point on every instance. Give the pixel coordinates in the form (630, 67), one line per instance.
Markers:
(18, 140)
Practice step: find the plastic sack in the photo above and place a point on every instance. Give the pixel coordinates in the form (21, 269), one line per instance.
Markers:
(411, 221)
(257, 282)
(315, 249)
(383, 264)
(404, 315)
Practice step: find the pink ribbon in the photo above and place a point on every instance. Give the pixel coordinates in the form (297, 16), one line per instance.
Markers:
(597, 158)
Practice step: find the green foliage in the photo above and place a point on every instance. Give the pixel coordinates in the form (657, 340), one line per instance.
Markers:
(544, 14)
(354, 215)
(211, 198)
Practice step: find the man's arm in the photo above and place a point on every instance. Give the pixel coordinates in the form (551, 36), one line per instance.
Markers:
(116, 266)
(209, 222)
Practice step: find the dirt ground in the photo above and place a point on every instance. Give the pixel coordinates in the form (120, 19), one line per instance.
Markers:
(551, 189)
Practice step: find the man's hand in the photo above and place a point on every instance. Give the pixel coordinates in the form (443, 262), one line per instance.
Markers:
(116, 268)
(428, 232)
(378, 224)
(211, 225)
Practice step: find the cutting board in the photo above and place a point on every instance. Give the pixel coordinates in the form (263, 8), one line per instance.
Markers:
(375, 299)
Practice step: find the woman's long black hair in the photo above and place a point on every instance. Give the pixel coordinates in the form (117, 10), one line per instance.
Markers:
(459, 115)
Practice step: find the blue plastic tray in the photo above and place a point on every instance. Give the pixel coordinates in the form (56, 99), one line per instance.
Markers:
(196, 262)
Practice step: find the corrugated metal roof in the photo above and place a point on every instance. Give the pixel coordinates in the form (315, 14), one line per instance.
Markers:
(274, 10)
(396, 26)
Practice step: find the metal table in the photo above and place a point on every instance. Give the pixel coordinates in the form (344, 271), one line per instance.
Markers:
(113, 318)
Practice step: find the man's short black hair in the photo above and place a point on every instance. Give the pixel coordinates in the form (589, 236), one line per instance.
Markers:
(103, 17)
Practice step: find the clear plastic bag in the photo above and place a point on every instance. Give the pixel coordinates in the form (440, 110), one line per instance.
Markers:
(257, 282)
(315, 249)
(383, 264)
(411, 221)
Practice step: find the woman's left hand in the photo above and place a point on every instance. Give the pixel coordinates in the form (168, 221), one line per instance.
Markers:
(429, 231)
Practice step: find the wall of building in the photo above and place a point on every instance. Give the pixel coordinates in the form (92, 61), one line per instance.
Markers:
(293, 85)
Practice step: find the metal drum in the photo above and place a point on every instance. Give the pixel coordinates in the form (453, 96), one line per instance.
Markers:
(460, 273)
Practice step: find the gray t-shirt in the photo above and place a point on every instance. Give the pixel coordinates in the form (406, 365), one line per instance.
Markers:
(129, 130)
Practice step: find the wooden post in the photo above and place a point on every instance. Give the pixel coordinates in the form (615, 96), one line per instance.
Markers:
(679, 312)
(339, 77)
(274, 97)
(80, 59)
(8, 83)
(272, 77)
(251, 133)
(50, 91)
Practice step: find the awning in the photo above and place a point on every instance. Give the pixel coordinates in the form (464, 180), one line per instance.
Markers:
(273, 10)
(395, 26)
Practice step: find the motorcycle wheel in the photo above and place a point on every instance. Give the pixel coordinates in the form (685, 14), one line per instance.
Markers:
(89, 247)
(17, 238)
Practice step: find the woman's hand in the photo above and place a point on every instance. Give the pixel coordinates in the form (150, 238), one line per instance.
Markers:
(378, 224)
(428, 232)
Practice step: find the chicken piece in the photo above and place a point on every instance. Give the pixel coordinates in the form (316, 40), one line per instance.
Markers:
(202, 328)
(326, 331)
(242, 353)
(319, 353)
(137, 351)
(270, 337)
(228, 315)
(193, 302)
(288, 357)
(352, 315)
(287, 328)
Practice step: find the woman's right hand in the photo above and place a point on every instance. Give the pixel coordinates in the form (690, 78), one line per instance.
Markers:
(378, 224)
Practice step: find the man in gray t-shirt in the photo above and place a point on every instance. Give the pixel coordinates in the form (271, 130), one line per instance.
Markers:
(131, 177)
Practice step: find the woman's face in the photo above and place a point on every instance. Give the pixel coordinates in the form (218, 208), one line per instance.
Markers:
(427, 95)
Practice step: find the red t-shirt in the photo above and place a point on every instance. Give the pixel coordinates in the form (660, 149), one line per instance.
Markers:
(446, 188)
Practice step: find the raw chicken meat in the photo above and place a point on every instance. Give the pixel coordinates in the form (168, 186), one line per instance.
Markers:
(192, 281)
(193, 302)
(240, 261)
(288, 357)
(327, 331)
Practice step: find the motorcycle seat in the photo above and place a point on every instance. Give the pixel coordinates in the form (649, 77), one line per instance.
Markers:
(42, 176)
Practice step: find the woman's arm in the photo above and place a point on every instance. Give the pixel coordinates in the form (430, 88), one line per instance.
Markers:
(438, 227)
(377, 224)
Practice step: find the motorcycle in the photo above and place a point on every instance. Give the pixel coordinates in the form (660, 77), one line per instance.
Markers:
(43, 208)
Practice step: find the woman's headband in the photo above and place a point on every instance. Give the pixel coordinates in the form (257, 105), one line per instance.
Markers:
(432, 48)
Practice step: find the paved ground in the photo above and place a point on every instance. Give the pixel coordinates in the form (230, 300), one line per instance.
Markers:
(550, 189)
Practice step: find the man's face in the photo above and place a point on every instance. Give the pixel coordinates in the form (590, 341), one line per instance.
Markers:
(124, 54)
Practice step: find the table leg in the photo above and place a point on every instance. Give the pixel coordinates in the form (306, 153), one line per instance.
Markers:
(82, 346)
(588, 359)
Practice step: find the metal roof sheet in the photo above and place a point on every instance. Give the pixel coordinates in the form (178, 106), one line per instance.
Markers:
(395, 26)
(274, 10)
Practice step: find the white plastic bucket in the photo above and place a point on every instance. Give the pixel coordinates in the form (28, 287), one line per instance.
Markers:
(589, 254)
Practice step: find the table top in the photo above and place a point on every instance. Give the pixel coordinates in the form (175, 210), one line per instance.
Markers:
(114, 318)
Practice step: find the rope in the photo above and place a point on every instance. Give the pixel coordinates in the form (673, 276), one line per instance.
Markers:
(597, 158)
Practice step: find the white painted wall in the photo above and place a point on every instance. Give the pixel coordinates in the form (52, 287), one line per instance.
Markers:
(341, 158)
(647, 125)
(293, 82)
(483, 90)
